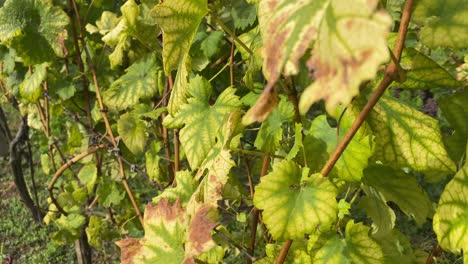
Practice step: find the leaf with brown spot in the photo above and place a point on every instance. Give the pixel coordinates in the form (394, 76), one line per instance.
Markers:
(130, 247)
(351, 45)
(263, 107)
(287, 29)
(199, 232)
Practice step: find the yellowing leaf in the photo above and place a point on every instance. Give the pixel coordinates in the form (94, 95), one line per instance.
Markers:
(179, 20)
(407, 137)
(287, 28)
(201, 120)
(444, 21)
(349, 49)
(451, 218)
(140, 81)
(293, 202)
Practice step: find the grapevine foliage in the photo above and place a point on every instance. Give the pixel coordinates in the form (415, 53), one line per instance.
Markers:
(218, 121)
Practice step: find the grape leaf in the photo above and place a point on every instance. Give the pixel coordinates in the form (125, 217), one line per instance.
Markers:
(183, 190)
(424, 73)
(243, 14)
(351, 45)
(133, 132)
(140, 81)
(396, 248)
(35, 29)
(294, 203)
(444, 23)
(382, 215)
(201, 120)
(356, 247)
(210, 44)
(152, 163)
(287, 28)
(407, 137)
(31, 87)
(451, 218)
(353, 160)
(270, 134)
(164, 226)
(400, 188)
(88, 176)
(179, 20)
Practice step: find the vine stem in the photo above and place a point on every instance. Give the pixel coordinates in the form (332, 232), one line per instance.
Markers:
(103, 110)
(256, 212)
(436, 251)
(392, 73)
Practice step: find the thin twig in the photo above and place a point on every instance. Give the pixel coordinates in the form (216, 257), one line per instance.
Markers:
(434, 253)
(391, 74)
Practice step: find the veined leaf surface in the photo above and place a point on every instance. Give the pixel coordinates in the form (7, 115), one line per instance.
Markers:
(407, 137)
(451, 218)
(132, 131)
(444, 21)
(35, 29)
(31, 88)
(293, 203)
(351, 45)
(140, 81)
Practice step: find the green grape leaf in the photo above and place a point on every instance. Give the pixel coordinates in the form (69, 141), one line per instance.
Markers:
(293, 202)
(351, 45)
(152, 163)
(201, 120)
(99, 230)
(179, 91)
(243, 14)
(356, 247)
(287, 28)
(407, 137)
(164, 226)
(183, 190)
(400, 188)
(88, 176)
(382, 215)
(298, 145)
(271, 132)
(354, 159)
(211, 43)
(31, 87)
(444, 23)
(133, 132)
(106, 23)
(451, 218)
(139, 82)
(455, 111)
(179, 20)
(35, 29)
(108, 192)
(424, 73)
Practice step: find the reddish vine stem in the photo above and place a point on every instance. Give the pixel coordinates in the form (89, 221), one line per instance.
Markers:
(391, 74)
(256, 212)
(103, 110)
(434, 253)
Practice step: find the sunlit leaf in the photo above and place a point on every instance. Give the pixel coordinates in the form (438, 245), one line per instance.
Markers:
(321, 141)
(356, 247)
(140, 81)
(201, 120)
(263, 107)
(400, 188)
(35, 29)
(407, 137)
(287, 28)
(179, 20)
(349, 49)
(185, 187)
(88, 176)
(451, 219)
(132, 131)
(444, 22)
(397, 248)
(424, 73)
(31, 87)
(293, 202)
